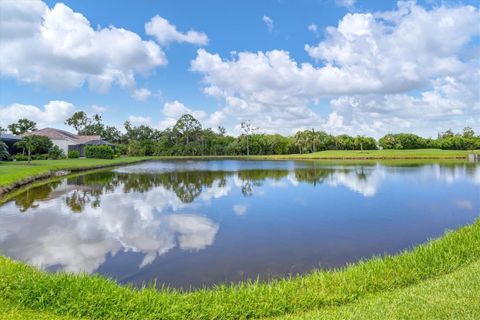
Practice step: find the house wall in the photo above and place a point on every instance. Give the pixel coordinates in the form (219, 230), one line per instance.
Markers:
(63, 144)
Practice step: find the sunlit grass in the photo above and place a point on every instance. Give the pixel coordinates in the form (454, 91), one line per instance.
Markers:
(95, 297)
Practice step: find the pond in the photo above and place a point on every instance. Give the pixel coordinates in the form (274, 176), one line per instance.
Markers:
(191, 224)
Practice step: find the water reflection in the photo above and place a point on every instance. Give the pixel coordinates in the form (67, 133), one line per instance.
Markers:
(120, 222)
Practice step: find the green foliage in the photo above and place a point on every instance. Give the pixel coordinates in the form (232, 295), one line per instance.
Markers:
(33, 144)
(21, 157)
(56, 153)
(73, 154)
(120, 149)
(4, 154)
(136, 149)
(99, 152)
(402, 141)
(22, 126)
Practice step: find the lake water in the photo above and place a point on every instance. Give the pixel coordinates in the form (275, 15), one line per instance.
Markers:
(190, 224)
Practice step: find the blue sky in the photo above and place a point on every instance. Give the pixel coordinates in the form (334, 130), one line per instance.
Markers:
(257, 28)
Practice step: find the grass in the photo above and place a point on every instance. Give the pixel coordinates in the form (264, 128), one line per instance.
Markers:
(453, 296)
(380, 154)
(362, 288)
(12, 172)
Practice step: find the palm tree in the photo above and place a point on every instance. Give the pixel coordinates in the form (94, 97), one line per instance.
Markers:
(28, 143)
(4, 154)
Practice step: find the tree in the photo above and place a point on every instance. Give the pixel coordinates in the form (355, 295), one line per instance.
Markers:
(34, 143)
(187, 132)
(468, 132)
(248, 130)
(2, 130)
(22, 126)
(79, 120)
(4, 154)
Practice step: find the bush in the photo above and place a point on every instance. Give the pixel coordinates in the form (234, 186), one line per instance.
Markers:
(21, 157)
(99, 152)
(73, 154)
(136, 149)
(120, 149)
(43, 156)
(56, 153)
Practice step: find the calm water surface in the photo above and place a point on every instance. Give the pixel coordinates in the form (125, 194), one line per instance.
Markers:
(191, 224)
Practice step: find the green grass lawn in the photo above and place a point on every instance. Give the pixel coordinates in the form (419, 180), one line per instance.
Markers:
(453, 296)
(11, 172)
(438, 273)
(380, 154)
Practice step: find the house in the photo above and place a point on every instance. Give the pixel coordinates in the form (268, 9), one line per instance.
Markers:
(68, 141)
(10, 141)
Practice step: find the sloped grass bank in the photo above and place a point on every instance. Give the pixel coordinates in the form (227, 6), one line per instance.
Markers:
(15, 172)
(452, 296)
(94, 297)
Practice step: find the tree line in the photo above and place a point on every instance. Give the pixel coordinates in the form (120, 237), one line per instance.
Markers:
(189, 138)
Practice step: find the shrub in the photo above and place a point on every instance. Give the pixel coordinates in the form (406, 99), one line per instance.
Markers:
(21, 157)
(120, 149)
(99, 152)
(56, 153)
(136, 149)
(73, 154)
(43, 156)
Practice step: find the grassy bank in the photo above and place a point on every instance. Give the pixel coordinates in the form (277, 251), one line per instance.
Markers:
(379, 154)
(453, 296)
(24, 289)
(12, 172)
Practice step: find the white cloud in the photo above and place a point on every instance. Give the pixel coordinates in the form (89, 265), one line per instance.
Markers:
(349, 4)
(269, 22)
(173, 110)
(165, 33)
(51, 113)
(139, 120)
(240, 209)
(313, 28)
(141, 94)
(98, 109)
(57, 47)
(381, 72)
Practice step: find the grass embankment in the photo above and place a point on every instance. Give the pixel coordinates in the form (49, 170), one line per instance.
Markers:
(378, 154)
(13, 172)
(362, 288)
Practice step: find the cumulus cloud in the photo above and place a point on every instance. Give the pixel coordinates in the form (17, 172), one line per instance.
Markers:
(376, 70)
(57, 47)
(53, 112)
(165, 33)
(141, 94)
(173, 110)
(268, 22)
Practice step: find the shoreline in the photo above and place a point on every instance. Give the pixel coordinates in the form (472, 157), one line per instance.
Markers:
(75, 165)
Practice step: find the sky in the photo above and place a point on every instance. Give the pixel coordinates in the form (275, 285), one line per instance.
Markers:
(342, 66)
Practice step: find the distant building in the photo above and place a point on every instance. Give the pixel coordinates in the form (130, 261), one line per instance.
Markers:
(10, 141)
(68, 141)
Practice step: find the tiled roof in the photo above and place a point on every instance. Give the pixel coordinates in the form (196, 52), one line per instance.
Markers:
(56, 134)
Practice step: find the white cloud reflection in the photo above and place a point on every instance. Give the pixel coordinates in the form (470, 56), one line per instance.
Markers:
(51, 235)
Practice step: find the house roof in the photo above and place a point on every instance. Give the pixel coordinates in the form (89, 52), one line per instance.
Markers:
(9, 137)
(56, 134)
